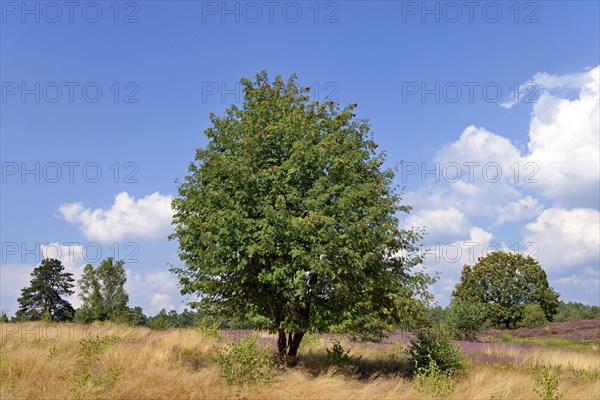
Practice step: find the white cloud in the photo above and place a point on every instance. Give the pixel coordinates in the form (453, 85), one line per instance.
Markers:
(439, 223)
(566, 238)
(564, 138)
(158, 301)
(153, 288)
(589, 281)
(526, 207)
(482, 146)
(148, 218)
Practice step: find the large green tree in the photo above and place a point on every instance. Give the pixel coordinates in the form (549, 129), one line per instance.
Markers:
(102, 292)
(42, 299)
(505, 283)
(287, 218)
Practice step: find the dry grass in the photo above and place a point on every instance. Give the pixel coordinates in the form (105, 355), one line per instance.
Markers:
(48, 361)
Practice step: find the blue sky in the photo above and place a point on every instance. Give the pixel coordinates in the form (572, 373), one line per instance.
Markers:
(125, 91)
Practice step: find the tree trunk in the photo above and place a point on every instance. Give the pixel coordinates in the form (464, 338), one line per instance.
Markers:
(507, 324)
(281, 343)
(294, 343)
(288, 347)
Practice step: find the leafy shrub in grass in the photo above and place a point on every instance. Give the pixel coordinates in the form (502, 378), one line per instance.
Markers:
(533, 316)
(547, 378)
(208, 330)
(245, 362)
(339, 356)
(433, 346)
(432, 381)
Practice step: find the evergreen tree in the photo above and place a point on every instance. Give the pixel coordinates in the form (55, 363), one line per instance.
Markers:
(43, 298)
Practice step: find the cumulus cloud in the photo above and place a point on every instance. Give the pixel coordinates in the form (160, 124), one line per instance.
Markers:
(157, 289)
(158, 301)
(589, 281)
(566, 238)
(146, 218)
(527, 207)
(440, 222)
(564, 138)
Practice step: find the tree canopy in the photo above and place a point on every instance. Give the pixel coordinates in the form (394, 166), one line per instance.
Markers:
(42, 299)
(505, 283)
(102, 292)
(287, 219)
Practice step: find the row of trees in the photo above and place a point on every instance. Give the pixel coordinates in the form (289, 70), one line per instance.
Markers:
(101, 291)
(103, 295)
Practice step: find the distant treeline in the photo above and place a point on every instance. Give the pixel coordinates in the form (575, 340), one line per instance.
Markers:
(185, 319)
(162, 320)
(570, 311)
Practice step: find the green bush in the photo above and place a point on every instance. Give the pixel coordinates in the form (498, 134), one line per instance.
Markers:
(244, 362)
(432, 381)
(533, 316)
(466, 319)
(547, 378)
(434, 346)
(339, 356)
(97, 344)
(208, 330)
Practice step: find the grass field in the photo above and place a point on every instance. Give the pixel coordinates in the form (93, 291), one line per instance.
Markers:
(66, 361)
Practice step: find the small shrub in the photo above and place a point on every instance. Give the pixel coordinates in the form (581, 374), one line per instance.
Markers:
(209, 330)
(96, 344)
(466, 319)
(432, 345)
(52, 352)
(339, 356)
(245, 362)
(533, 316)
(78, 381)
(114, 374)
(505, 337)
(547, 378)
(433, 381)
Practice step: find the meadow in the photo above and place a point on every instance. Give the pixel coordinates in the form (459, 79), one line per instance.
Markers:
(108, 361)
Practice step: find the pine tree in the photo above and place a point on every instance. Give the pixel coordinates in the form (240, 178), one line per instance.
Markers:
(42, 299)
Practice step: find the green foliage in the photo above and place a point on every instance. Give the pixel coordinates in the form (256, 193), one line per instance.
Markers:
(572, 311)
(208, 330)
(311, 341)
(433, 381)
(433, 345)
(97, 344)
(505, 282)
(339, 356)
(160, 321)
(43, 298)
(465, 319)
(52, 352)
(136, 316)
(286, 216)
(83, 378)
(3, 316)
(547, 378)
(436, 315)
(533, 316)
(245, 362)
(103, 293)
